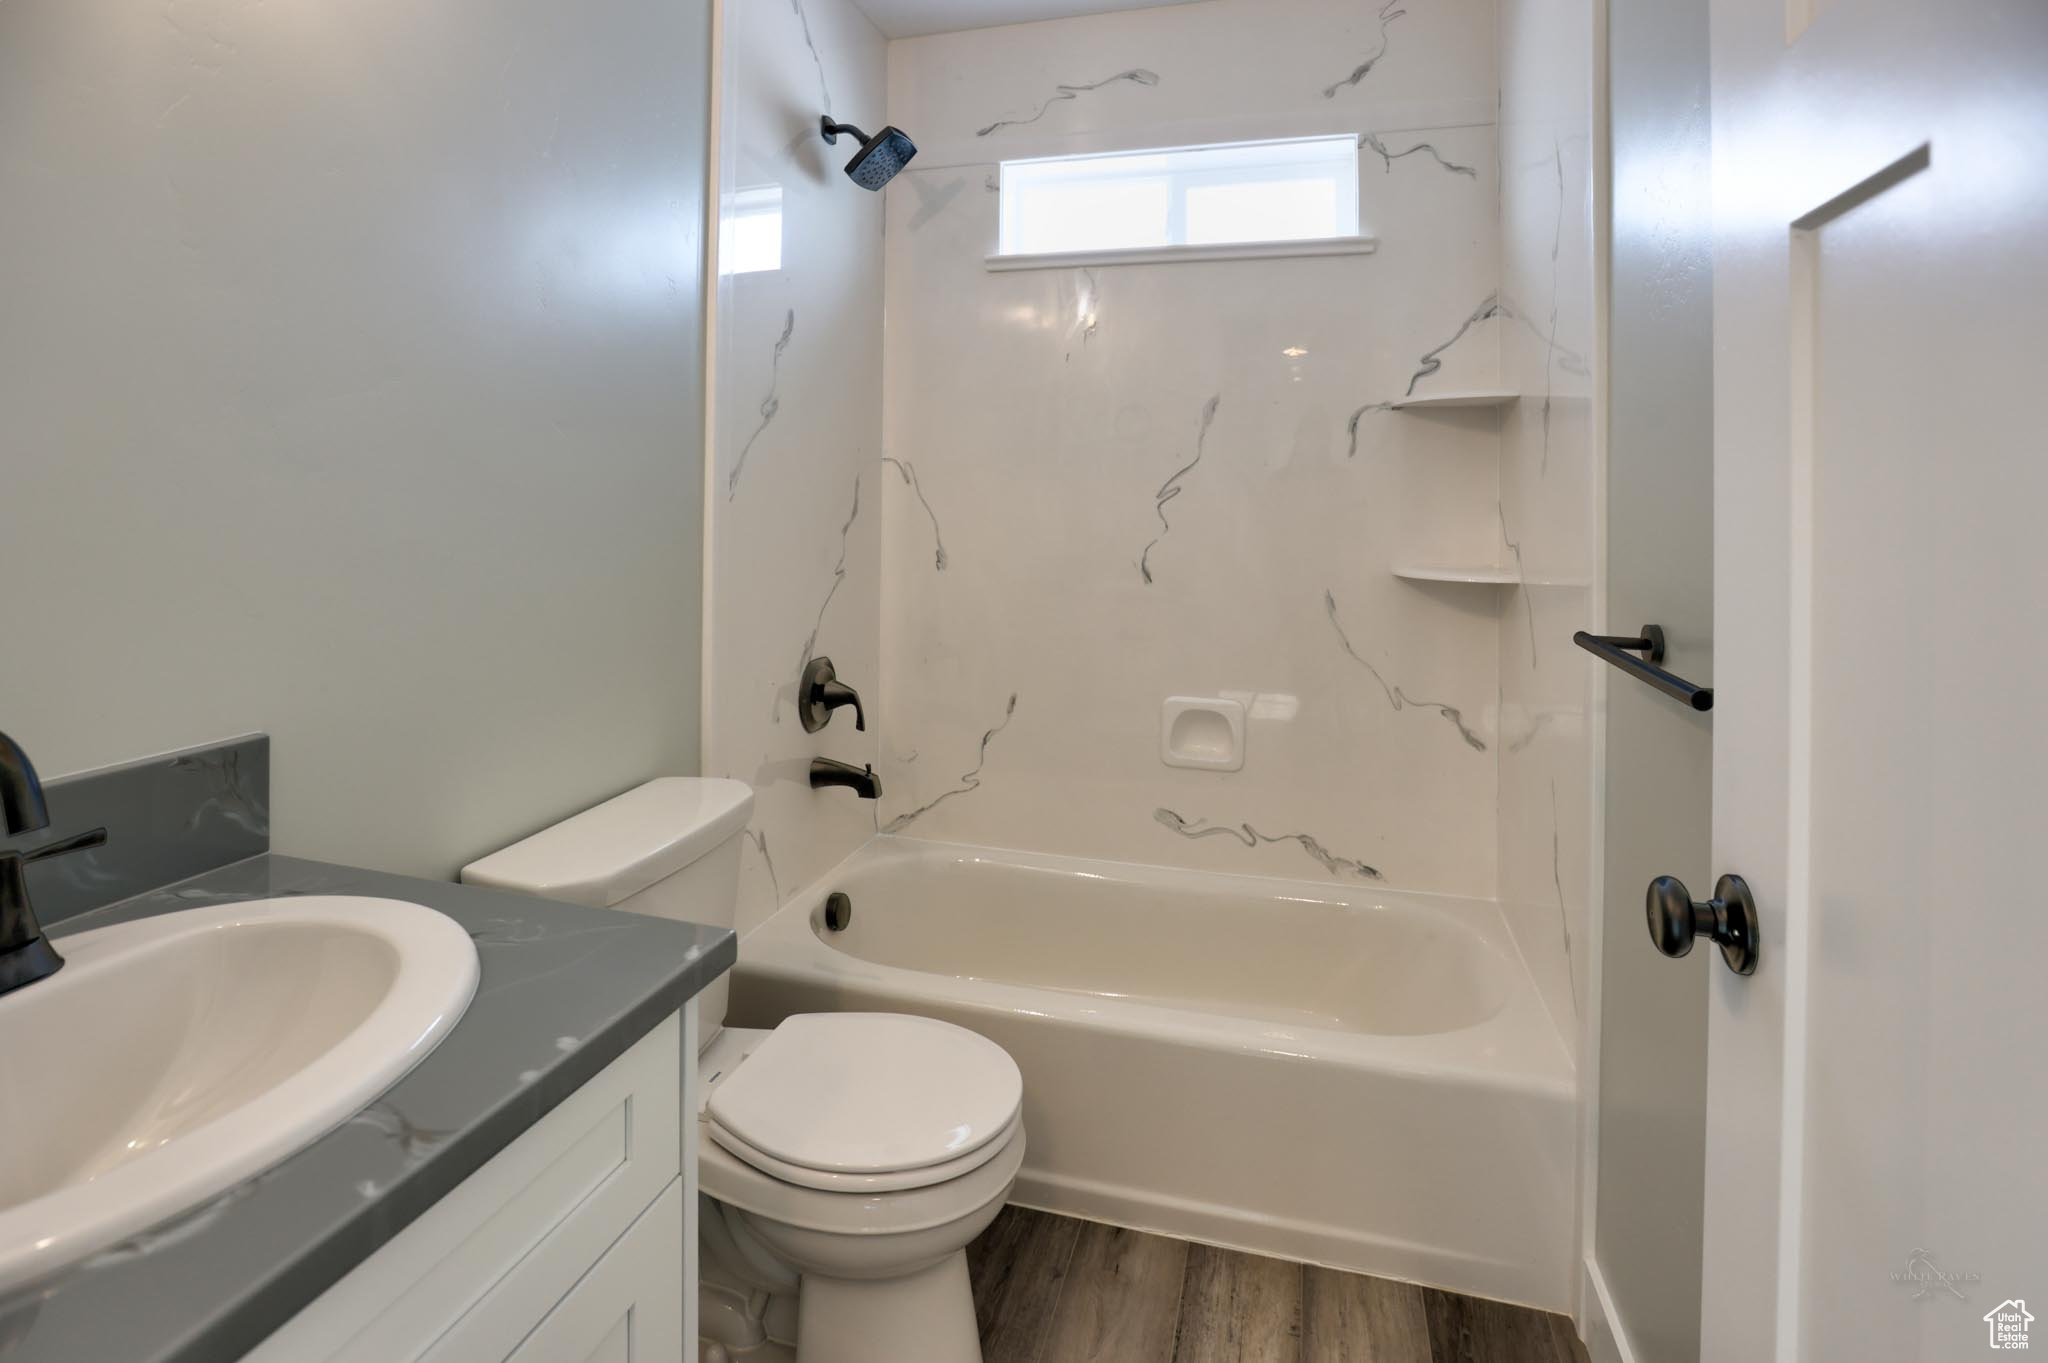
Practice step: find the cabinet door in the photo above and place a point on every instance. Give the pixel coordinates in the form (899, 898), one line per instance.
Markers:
(629, 1308)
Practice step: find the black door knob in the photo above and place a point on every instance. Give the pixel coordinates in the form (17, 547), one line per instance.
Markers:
(1728, 918)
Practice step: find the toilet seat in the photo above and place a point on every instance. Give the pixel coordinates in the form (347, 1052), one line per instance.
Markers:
(866, 1103)
(727, 1179)
(828, 1182)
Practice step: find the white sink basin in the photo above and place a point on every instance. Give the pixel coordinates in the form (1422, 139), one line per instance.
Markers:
(173, 1057)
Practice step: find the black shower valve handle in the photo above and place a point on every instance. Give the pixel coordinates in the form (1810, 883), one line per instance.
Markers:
(821, 692)
(837, 694)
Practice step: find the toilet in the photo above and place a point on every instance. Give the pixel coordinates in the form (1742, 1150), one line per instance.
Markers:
(844, 1160)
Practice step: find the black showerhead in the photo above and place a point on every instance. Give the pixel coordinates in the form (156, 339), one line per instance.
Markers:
(880, 156)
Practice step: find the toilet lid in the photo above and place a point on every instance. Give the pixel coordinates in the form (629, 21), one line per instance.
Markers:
(869, 1093)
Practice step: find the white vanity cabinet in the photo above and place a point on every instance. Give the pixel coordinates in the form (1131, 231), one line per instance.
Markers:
(576, 1242)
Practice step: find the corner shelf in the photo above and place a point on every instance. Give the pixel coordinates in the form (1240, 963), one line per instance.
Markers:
(1476, 574)
(1461, 573)
(1484, 397)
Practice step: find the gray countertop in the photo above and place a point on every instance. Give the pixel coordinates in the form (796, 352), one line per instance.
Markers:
(562, 992)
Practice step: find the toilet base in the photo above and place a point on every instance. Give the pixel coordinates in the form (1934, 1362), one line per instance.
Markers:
(925, 1317)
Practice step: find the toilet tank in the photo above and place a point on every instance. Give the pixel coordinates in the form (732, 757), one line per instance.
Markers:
(669, 849)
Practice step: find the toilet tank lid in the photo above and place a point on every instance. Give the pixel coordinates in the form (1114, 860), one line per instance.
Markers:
(617, 849)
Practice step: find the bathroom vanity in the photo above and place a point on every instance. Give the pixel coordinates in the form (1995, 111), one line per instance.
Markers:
(525, 1192)
(570, 1244)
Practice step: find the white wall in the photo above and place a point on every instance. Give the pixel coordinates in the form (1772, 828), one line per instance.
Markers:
(1547, 483)
(348, 391)
(795, 488)
(1042, 412)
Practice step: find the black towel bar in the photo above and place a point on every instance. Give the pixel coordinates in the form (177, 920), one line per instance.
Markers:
(1617, 649)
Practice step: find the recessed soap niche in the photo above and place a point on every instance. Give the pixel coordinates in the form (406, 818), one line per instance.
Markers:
(1203, 732)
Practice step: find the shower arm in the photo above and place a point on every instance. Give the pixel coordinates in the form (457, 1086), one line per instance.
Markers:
(833, 130)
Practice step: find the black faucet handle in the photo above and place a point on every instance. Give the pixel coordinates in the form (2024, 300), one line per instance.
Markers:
(25, 951)
(76, 843)
(821, 692)
(838, 694)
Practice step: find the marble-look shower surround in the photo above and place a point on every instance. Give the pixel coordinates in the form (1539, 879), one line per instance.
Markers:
(795, 478)
(1547, 481)
(1182, 480)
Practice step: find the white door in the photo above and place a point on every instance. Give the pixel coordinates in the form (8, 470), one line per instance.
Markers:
(1878, 1089)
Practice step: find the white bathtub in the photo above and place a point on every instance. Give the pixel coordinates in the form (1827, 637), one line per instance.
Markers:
(1355, 1077)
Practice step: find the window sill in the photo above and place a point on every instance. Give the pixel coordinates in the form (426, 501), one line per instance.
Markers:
(1172, 255)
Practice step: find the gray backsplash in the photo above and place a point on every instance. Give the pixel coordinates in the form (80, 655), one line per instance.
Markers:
(167, 818)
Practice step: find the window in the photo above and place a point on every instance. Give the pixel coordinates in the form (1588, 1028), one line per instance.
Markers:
(751, 237)
(1255, 197)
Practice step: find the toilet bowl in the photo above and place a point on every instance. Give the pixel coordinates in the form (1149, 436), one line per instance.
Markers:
(850, 1158)
(845, 1160)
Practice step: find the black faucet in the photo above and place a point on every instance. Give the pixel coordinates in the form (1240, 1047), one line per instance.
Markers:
(821, 692)
(861, 780)
(25, 953)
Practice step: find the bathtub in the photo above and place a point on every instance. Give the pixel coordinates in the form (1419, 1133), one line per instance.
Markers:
(1341, 1075)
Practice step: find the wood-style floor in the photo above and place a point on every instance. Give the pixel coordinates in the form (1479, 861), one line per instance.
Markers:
(1050, 1289)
